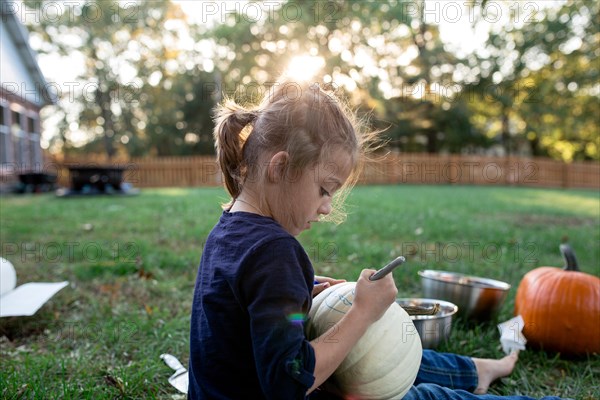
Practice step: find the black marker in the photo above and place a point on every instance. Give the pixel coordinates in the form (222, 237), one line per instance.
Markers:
(387, 269)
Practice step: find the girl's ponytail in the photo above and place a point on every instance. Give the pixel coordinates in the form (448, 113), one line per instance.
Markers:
(232, 127)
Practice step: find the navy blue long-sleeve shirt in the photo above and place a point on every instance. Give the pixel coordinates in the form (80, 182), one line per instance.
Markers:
(253, 289)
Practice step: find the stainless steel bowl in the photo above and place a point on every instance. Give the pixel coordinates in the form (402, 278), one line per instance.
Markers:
(476, 298)
(432, 329)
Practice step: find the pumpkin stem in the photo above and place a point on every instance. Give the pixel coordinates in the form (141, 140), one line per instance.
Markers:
(569, 256)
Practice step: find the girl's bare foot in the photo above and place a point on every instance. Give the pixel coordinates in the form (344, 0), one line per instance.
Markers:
(488, 370)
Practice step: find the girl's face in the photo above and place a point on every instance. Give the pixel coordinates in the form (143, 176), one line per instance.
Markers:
(307, 197)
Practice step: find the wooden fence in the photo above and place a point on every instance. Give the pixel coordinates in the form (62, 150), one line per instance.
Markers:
(417, 168)
(408, 168)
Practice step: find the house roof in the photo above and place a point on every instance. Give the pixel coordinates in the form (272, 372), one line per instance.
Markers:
(20, 38)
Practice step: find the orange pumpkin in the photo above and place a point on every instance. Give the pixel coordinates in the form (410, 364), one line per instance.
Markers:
(561, 308)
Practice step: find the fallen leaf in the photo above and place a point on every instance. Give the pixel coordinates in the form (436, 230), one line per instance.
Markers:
(21, 391)
(116, 382)
(112, 290)
(143, 274)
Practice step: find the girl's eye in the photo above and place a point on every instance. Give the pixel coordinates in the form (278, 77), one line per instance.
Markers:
(325, 192)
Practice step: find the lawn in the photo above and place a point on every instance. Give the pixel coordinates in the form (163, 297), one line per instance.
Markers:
(132, 261)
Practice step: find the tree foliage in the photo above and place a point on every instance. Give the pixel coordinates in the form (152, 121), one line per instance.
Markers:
(136, 95)
(541, 85)
(531, 88)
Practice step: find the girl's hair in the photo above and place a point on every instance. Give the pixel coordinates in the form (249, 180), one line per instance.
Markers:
(306, 121)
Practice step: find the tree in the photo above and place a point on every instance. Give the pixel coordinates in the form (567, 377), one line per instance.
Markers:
(537, 89)
(563, 121)
(155, 77)
(430, 113)
(180, 117)
(381, 56)
(138, 91)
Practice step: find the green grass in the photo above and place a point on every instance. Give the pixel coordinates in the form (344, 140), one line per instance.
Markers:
(132, 264)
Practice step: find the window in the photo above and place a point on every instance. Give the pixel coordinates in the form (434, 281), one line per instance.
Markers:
(17, 137)
(16, 120)
(35, 150)
(31, 125)
(5, 143)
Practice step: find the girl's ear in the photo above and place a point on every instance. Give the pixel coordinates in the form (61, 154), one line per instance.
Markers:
(277, 166)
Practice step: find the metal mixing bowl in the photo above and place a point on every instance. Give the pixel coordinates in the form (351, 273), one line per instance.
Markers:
(476, 298)
(433, 329)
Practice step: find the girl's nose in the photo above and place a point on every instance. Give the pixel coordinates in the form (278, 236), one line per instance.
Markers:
(325, 207)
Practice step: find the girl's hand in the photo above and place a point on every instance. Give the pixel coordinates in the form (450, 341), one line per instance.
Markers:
(323, 283)
(373, 298)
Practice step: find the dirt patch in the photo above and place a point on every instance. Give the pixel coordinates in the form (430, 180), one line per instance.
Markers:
(533, 219)
(541, 219)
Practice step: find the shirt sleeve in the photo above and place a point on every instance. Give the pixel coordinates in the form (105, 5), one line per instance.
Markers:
(274, 286)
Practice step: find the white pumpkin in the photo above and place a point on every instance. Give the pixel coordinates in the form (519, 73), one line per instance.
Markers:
(384, 362)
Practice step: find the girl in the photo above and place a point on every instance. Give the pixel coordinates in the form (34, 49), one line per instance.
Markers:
(283, 162)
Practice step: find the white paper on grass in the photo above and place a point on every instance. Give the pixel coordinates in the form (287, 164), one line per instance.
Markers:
(26, 299)
(511, 334)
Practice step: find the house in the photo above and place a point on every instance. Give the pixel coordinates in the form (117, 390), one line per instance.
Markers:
(23, 93)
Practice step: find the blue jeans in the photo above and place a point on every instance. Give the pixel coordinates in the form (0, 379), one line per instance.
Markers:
(444, 376)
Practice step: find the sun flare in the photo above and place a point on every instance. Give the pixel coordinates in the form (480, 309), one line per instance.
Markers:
(303, 68)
